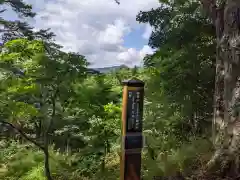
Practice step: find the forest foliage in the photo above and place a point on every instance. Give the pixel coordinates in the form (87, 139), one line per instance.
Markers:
(60, 121)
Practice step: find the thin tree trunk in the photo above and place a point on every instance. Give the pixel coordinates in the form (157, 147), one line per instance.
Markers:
(46, 138)
(46, 164)
(46, 154)
(38, 129)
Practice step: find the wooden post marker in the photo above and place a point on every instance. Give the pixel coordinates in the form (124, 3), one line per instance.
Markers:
(132, 139)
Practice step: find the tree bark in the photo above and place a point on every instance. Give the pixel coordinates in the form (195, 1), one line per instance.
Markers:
(37, 126)
(46, 154)
(46, 138)
(226, 17)
(46, 163)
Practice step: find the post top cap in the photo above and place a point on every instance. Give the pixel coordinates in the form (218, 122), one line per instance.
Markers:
(134, 82)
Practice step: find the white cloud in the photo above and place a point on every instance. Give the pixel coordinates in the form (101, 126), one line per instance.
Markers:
(148, 32)
(145, 50)
(132, 57)
(113, 34)
(129, 56)
(95, 28)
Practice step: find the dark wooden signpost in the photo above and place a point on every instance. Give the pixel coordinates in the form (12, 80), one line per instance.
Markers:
(132, 139)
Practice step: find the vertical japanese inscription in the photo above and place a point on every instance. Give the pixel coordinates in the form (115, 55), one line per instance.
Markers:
(132, 141)
(134, 110)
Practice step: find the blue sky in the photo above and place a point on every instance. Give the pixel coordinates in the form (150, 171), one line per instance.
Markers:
(135, 39)
(106, 33)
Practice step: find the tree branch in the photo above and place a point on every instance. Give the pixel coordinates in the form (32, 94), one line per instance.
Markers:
(117, 1)
(23, 134)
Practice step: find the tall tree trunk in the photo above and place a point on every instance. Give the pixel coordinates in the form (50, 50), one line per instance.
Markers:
(46, 164)
(46, 154)
(226, 16)
(37, 126)
(46, 138)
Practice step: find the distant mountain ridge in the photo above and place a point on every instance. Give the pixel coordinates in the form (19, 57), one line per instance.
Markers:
(109, 69)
